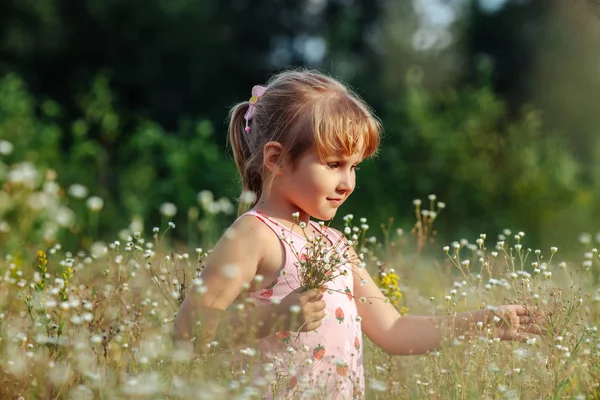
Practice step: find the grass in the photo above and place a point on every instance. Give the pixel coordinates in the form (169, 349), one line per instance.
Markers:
(96, 323)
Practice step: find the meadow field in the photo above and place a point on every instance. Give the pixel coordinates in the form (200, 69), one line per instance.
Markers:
(117, 179)
(94, 322)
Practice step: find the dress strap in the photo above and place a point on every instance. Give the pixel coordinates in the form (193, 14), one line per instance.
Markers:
(265, 219)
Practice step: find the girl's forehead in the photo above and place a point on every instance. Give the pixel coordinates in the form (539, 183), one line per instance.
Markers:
(348, 148)
(355, 156)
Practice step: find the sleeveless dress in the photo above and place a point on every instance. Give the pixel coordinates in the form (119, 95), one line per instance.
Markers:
(326, 363)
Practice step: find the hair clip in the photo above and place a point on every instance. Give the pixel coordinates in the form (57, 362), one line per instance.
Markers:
(257, 92)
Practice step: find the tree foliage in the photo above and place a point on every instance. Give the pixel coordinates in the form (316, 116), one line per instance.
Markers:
(130, 99)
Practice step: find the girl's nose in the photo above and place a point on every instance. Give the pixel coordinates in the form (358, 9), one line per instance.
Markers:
(347, 183)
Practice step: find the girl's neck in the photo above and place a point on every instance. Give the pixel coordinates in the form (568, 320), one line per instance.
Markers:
(280, 211)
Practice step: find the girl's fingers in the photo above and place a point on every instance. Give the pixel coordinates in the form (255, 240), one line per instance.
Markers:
(318, 317)
(520, 338)
(313, 325)
(314, 295)
(531, 325)
(314, 321)
(536, 315)
(533, 328)
(520, 310)
(318, 306)
(525, 320)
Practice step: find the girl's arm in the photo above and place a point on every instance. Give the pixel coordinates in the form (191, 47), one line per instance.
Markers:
(232, 264)
(399, 335)
(197, 325)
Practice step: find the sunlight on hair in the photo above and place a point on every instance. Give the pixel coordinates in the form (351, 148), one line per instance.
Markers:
(341, 125)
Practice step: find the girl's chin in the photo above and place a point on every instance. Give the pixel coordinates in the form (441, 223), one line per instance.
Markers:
(325, 216)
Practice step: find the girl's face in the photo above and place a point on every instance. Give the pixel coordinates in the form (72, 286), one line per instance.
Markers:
(317, 188)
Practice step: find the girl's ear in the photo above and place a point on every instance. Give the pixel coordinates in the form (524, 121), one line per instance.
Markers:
(272, 156)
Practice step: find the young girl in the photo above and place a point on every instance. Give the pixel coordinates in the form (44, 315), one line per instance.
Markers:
(297, 143)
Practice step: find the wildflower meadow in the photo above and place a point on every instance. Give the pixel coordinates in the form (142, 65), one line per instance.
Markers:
(117, 179)
(94, 321)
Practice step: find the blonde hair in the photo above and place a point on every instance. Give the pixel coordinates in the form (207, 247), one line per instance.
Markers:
(300, 109)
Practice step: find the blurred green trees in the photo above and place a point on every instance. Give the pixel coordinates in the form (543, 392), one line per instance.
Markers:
(493, 170)
(129, 99)
(134, 170)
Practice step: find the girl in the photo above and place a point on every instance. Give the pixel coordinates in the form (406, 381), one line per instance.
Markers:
(297, 143)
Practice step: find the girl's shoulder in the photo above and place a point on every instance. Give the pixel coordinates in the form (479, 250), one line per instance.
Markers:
(245, 244)
(251, 226)
(255, 228)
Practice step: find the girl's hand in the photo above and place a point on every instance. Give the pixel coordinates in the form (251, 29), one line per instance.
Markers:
(304, 311)
(510, 322)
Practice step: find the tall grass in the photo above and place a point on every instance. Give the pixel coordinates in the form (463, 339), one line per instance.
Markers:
(96, 322)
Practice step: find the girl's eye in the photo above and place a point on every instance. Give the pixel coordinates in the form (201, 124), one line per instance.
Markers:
(335, 165)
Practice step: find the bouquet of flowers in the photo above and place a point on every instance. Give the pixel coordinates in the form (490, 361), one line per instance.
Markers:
(322, 260)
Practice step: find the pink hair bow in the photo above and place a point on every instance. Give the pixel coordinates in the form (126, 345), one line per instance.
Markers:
(257, 92)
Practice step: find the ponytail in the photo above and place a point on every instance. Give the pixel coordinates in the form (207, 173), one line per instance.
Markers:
(250, 171)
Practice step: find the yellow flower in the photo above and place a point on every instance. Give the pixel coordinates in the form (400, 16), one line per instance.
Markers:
(67, 275)
(42, 262)
(387, 280)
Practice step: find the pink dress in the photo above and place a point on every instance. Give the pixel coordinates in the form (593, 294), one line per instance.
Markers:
(326, 363)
